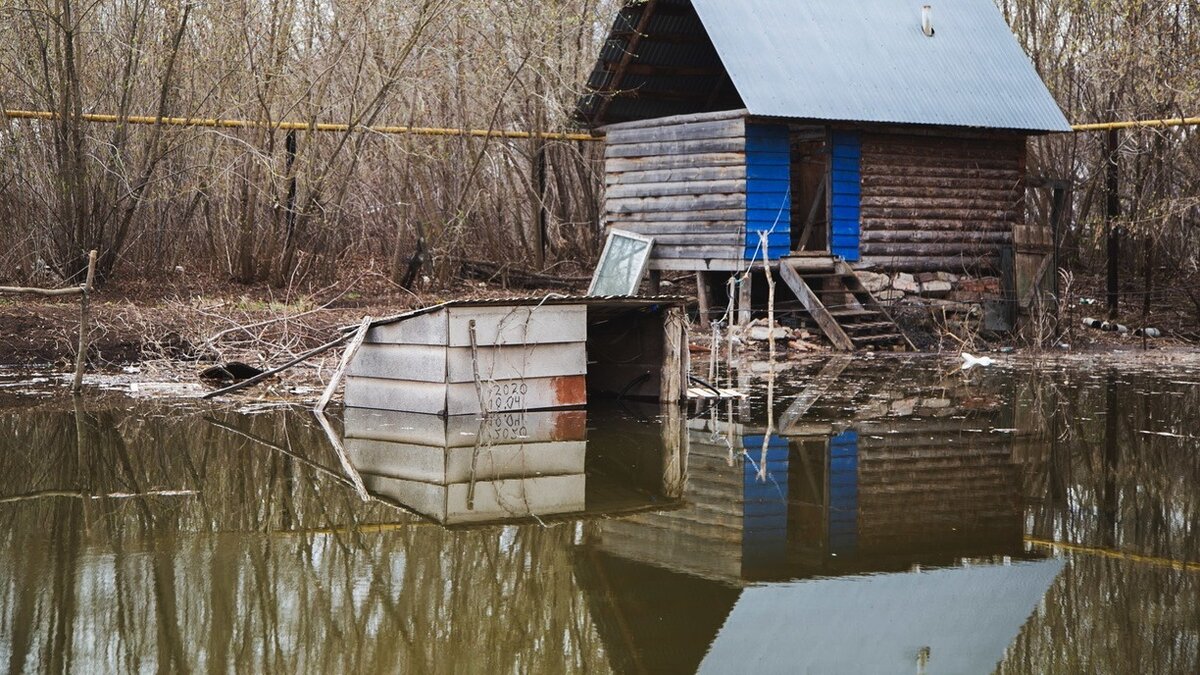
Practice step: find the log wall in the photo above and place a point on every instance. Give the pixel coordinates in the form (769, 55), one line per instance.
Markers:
(682, 181)
(940, 203)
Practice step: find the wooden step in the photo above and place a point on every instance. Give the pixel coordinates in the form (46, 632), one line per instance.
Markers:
(876, 339)
(852, 313)
(866, 327)
(848, 315)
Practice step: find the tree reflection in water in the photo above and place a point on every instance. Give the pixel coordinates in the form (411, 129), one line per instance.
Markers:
(140, 537)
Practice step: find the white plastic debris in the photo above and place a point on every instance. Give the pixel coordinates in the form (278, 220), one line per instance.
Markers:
(970, 361)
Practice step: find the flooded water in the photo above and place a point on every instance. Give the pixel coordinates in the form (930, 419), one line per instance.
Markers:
(869, 516)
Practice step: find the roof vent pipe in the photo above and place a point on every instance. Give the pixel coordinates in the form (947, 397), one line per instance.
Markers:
(927, 20)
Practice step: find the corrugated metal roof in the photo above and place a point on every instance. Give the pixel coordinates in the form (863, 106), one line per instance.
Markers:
(602, 303)
(869, 61)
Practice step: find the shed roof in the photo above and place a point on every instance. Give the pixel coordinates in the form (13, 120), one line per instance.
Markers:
(828, 60)
(598, 305)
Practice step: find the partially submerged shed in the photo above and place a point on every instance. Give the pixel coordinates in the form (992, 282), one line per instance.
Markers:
(817, 131)
(468, 357)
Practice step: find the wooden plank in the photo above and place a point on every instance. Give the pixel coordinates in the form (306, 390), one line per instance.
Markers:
(866, 299)
(810, 263)
(661, 162)
(946, 213)
(934, 249)
(900, 163)
(815, 308)
(701, 252)
(698, 227)
(925, 202)
(1035, 282)
(882, 174)
(977, 190)
(688, 216)
(816, 388)
(692, 173)
(714, 145)
(707, 187)
(745, 300)
(703, 299)
(680, 204)
(733, 264)
(870, 235)
(955, 263)
(701, 239)
(347, 355)
(673, 384)
(670, 133)
(947, 224)
(676, 119)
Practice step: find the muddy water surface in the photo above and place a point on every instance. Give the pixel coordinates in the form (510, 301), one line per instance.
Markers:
(872, 516)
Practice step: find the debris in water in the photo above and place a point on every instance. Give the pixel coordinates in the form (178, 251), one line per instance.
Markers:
(970, 361)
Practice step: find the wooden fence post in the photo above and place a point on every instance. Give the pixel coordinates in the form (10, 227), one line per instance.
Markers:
(85, 291)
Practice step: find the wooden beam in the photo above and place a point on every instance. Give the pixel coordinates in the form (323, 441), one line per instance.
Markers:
(745, 299)
(664, 71)
(703, 298)
(355, 343)
(630, 54)
(815, 308)
(815, 389)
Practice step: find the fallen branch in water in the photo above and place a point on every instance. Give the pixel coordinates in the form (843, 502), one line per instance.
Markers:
(265, 374)
(42, 494)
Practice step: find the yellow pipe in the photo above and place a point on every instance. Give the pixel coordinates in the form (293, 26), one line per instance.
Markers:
(1139, 124)
(217, 123)
(1181, 565)
(301, 126)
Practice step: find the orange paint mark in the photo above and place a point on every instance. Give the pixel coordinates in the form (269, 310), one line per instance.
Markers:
(570, 425)
(570, 390)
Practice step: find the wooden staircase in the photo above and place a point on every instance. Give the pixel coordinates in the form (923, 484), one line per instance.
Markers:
(838, 303)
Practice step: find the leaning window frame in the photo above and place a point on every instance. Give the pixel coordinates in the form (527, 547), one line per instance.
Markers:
(641, 274)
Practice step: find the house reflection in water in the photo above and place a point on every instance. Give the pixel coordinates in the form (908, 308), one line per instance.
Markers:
(464, 469)
(885, 545)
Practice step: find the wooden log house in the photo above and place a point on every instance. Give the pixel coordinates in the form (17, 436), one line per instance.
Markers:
(828, 138)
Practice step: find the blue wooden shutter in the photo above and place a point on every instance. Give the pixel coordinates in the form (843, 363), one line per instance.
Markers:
(768, 190)
(843, 492)
(846, 194)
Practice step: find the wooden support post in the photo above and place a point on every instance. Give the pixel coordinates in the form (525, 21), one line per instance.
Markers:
(81, 355)
(1112, 211)
(673, 388)
(704, 298)
(654, 277)
(674, 451)
(744, 300)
